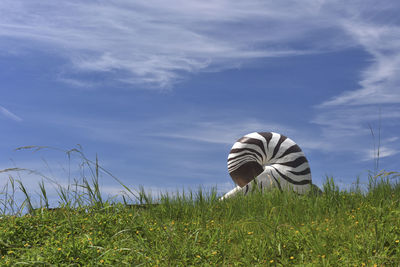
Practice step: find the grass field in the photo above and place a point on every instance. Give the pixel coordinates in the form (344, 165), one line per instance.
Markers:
(337, 228)
(359, 227)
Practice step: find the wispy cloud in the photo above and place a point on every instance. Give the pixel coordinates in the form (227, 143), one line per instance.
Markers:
(384, 152)
(380, 81)
(346, 129)
(210, 128)
(155, 42)
(220, 131)
(8, 114)
(354, 121)
(345, 118)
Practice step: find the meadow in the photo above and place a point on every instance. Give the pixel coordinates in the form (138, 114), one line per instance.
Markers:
(356, 227)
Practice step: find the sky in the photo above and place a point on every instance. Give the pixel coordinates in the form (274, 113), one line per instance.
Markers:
(160, 90)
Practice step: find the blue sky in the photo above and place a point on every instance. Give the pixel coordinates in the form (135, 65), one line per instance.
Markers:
(161, 90)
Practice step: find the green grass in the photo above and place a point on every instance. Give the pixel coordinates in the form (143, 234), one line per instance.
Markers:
(337, 228)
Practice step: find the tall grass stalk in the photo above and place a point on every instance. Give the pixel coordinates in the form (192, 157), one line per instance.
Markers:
(44, 195)
(27, 201)
(8, 202)
(83, 191)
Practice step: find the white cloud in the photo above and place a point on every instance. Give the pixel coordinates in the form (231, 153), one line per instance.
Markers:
(220, 131)
(391, 139)
(380, 81)
(346, 129)
(156, 42)
(351, 121)
(384, 152)
(5, 112)
(345, 118)
(212, 126)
